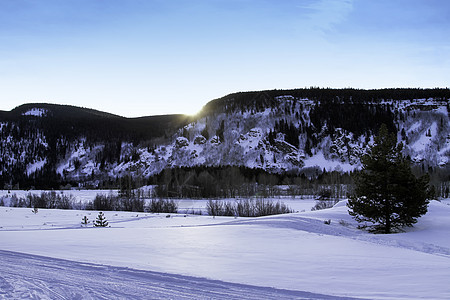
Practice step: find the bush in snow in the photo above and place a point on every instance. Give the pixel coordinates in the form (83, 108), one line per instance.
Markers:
(118, 203)
(101, 220)
(103, 202)
(324, 194)
(220, 208)
(17, 202)
(214, 208)
(343, 223)
(264, 207)
(246, 208)
(228, 209)
(50, 200)
(132, 204)
(163, 206)
(324, 204)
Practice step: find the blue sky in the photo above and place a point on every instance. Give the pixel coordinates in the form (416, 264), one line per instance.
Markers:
(147, 57)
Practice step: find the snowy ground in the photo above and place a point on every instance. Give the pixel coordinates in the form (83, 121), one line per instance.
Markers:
(27, 276)
(49, 255)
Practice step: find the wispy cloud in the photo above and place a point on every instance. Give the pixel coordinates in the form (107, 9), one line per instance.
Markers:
(324, 15)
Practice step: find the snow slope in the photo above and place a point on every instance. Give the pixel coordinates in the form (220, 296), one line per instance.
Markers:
(294, 252)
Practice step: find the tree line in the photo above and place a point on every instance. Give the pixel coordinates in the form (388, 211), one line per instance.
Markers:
(260, 100)
(240, 181)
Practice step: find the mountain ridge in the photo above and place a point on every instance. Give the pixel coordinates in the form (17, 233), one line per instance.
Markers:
(303, 131)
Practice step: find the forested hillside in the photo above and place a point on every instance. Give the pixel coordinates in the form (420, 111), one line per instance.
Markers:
(295, 138)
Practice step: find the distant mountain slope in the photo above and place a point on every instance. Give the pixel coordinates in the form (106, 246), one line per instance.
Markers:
(76, 122)
(304, 131)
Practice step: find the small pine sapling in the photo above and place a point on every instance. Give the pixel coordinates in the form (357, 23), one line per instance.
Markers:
(85, 221)
(101, 220)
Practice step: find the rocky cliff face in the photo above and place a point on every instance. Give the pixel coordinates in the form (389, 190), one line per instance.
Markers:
(251, 139)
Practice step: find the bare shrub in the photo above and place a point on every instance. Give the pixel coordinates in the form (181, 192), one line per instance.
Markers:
(163, 206)
(344, 223)
(17, 202)
(66, 202)
(131, 204)
(246, 208)
(228, 209)
(324, 204)
(51, 200)
(117, 203)
(103, 202)
(214, 207)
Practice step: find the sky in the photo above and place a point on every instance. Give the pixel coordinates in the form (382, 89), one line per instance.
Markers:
(150, 57)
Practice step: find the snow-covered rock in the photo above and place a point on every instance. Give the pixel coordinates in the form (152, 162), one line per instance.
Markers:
(181, 142)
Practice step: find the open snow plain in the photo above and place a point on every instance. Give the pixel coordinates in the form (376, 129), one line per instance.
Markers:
(49, 255)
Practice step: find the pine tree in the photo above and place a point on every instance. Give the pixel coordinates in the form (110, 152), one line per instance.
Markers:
(220, 131)
(101, 220)
(205, 132)
(85, 221)
(387, 193)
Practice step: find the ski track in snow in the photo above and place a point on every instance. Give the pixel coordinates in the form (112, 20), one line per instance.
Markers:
(25, 276)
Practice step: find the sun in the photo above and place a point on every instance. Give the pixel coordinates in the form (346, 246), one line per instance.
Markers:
(191, 111)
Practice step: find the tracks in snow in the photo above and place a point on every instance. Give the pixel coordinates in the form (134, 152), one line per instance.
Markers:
(37, 277)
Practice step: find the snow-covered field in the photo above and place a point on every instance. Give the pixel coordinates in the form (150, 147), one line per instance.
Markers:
(49, 255)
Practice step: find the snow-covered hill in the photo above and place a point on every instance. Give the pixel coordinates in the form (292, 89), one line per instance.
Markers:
(423, 126)
(294, 256)
(278, 134)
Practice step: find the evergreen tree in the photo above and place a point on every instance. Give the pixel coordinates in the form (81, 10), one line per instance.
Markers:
(387, 193)
(101, 220)
(205, 132)
(220, 131)
(85, 221)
